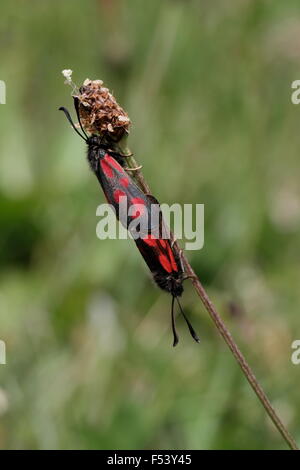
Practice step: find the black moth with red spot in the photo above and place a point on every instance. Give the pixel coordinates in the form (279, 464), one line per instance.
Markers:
(163, 261)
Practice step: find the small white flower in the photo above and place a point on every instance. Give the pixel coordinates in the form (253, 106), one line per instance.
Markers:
(67, 73)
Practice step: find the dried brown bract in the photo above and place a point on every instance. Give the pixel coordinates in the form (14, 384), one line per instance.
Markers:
(99, 111)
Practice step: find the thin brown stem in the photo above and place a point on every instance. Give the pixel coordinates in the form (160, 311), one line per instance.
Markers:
(247, 371)
(223, 330)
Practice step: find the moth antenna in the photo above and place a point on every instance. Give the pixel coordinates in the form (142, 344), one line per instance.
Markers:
(76, 105)
(175, 335)
(192, 331)
(62, 108)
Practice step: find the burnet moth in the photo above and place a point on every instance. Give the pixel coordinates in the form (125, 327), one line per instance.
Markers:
(163, 261)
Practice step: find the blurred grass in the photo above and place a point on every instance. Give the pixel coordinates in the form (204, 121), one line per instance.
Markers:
(89, 361)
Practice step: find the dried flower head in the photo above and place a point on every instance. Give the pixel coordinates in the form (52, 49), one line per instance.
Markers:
(99, 111)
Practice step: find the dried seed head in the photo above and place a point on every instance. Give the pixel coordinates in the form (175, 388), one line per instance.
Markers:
(99, 111)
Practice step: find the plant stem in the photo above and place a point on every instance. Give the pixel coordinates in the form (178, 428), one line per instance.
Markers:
(223, 330)
(247, 371)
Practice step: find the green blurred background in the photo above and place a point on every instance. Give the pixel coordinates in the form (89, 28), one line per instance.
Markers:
(89, 358)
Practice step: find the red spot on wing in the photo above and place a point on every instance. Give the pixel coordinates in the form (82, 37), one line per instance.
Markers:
(106, 168)
(124, 182)
(150, 240)
(166, 260)
(165, 263)
(118, 194)
(137, 200)
(113, 162)
(163, 243)
(158, 242)
(172, 259)
(138, 210)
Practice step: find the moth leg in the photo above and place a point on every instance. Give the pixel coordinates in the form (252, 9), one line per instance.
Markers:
(126, 156)
(178, 251)
(180, 255)
(186, 276)
(134, 169)
(190, 276)
(174, 240)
